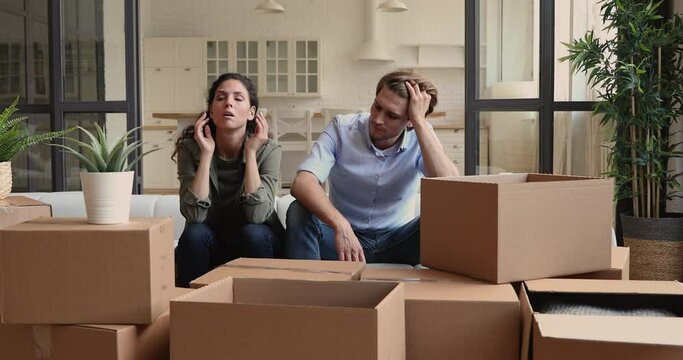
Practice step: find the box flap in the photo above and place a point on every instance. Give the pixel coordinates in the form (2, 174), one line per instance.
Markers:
(223, 272)
(485, 179)
(605, 286)
(23, 201)
(344, 294)
(409, 275)
(217, 292)
(81, 225)
(427, 284)
(527, 318)
(113, 328)
(321, 266)
(621, 329)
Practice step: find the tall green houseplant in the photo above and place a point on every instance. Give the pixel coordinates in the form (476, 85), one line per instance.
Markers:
(14, 138)
(637, 74)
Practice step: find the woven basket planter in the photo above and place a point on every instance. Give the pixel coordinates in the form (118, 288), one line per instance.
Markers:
(5, 179)
(656, 247)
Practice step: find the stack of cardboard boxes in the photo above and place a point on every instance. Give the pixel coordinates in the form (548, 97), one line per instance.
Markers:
(519, 227)
(485, 239)
(71, 290)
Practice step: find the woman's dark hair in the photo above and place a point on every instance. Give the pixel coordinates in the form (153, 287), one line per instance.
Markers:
(188, 132)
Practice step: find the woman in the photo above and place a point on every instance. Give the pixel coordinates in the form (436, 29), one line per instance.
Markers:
(228, 171)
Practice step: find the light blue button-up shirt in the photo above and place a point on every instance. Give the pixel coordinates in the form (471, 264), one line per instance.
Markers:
(373, 189)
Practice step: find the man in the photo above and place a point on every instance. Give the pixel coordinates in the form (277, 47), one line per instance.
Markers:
(373, 164)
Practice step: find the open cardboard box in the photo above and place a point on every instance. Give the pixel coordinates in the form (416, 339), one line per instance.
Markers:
(289, 319)
(282, 269)
(514, 227)
(551, 331)
(65, 271)
(451, 316)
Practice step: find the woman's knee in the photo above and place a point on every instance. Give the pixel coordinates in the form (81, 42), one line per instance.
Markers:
(258, 240)
(197, 234)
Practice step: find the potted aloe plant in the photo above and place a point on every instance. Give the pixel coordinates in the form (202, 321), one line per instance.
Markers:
(638, 75)
(14, 138)
(108, 179)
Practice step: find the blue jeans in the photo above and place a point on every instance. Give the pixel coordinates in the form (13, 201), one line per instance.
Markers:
(309, 238)
(202, 248)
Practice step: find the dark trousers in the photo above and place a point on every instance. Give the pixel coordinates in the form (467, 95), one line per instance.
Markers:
(309, 238)
(201, 248)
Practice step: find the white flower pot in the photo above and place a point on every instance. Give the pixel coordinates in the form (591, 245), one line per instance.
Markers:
(107, 196)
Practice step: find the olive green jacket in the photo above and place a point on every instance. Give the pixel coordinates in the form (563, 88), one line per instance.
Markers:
(257, 207)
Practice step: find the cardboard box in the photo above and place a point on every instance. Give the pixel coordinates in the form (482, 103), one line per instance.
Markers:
(65, 271)
(513, 227)
(619, 269)
(558, 335)
(451, 316)
(289, 319)
(16, 342)
(282, 269)
(71, 342)
(17, 209)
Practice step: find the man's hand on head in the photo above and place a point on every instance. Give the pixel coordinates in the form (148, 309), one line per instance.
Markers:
(418, 103)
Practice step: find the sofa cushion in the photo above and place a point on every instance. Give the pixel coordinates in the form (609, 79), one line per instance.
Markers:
(169, 205)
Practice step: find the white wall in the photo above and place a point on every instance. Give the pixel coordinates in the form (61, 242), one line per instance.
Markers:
(346, 82)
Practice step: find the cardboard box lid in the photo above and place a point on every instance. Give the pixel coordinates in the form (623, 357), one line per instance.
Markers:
(81, 225)
(519, 179)
(427, 284)
(322, 266)
(287, 292)
(23, 201)
(621, 329)
(605, 286)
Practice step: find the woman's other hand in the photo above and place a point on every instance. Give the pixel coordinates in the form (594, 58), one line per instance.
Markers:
(202, 134)
(260, 135)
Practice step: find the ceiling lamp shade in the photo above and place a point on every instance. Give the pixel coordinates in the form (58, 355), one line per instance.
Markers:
(270, 7)
(392, 6)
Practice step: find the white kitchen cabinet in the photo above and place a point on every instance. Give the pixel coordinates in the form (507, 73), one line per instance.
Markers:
(247, 59)
(453, 142)
(158, 170)
(291, 68)
(174, 76)
(218, 56)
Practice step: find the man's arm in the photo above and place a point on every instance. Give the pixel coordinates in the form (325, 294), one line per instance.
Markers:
(435, 159)
(308, 191)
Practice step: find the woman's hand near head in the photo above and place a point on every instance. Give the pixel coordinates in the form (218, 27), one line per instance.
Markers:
(202, 134)
(260, 135)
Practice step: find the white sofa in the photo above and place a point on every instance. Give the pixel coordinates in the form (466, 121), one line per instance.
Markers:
(71, 204)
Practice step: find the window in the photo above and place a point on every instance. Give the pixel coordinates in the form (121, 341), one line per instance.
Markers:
(530, 106)
(92, 78)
